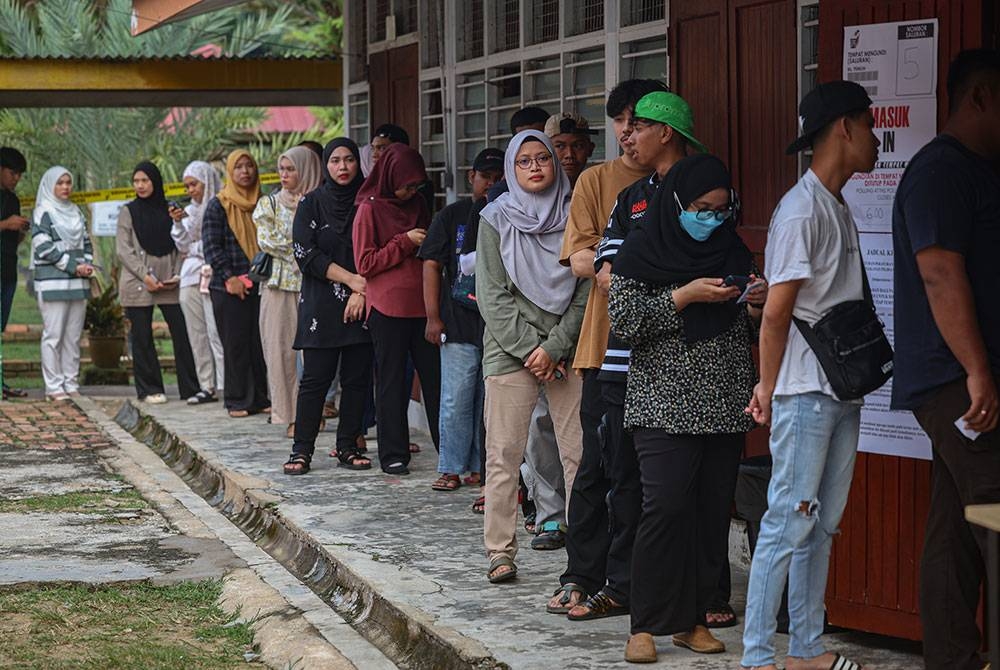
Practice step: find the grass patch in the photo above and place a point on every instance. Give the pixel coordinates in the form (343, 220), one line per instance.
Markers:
(113, 628)
(86, 501)
(24, 309)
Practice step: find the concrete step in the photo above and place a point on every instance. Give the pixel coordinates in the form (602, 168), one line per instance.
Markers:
(21, 368)
(32, 332)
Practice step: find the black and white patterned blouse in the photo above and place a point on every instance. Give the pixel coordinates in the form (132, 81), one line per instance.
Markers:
(680, 387)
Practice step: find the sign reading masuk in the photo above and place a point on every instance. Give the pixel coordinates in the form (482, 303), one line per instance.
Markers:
(897, 65)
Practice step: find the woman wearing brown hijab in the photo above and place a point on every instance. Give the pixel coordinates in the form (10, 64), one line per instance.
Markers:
(229, 240)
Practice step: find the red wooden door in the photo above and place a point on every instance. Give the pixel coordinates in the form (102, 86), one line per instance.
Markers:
(874, 574)
(393, 86)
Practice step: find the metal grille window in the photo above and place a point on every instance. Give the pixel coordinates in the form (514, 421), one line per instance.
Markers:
(583, 91)
(381, 12)
(543, 23)
(358, 40)
(584, 16)
(808, 59)
(433, 139)
(406, 14)
(644, 59)
(472, 26)
(543, 85)
(506, 25)
(637, 12)
(359, 130)
(432, 33)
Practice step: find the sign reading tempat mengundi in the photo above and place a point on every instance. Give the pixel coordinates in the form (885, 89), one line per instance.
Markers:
(897, 65)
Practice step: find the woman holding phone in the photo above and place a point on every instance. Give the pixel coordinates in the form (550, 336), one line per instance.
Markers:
(150, 276)
(229, 241)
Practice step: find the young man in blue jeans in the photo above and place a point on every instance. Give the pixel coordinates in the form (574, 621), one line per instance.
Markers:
(814, 263)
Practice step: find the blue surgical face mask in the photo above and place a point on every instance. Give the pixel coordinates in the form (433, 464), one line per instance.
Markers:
(697, 228)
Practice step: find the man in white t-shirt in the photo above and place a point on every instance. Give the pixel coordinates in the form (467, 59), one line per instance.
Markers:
(813, 263)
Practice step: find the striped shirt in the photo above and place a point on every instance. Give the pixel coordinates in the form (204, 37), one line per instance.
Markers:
(55, 267)
(630, 208)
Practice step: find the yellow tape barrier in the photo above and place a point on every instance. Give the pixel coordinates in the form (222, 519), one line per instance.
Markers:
(172, 191)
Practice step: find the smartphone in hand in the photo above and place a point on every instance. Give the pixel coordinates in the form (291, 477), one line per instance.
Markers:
(739, 281)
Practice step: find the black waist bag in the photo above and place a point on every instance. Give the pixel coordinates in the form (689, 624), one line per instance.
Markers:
(851, 346)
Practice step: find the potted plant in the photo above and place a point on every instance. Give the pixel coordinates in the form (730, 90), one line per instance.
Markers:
(105, 323)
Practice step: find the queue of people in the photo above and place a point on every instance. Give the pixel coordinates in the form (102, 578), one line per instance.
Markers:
(583, 337)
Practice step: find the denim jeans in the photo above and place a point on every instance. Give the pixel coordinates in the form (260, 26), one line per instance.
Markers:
(461, 422)
(814, 440)
(7, 290)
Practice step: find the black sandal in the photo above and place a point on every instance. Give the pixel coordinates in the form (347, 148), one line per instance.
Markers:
(297, 464)
(723, 609)
(599, 606)
(567, 590)
(349, 461)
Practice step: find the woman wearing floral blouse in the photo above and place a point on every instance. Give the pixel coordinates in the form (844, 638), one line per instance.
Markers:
(690, 372)
(299, 171)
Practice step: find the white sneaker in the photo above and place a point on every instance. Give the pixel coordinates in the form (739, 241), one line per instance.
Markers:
(155, 399)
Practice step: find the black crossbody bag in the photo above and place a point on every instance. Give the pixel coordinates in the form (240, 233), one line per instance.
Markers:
(262, 263)
(851, 346)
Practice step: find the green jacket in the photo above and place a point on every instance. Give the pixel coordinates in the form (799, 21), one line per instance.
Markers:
(515, 326)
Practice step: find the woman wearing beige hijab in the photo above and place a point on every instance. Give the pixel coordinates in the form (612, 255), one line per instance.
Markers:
(229, 241)
(299, 170)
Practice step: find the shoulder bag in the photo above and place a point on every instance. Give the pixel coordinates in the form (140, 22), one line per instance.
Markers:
(262, 263)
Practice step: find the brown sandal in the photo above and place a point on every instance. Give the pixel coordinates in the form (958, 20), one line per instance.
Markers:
(447, 482)
(238, 414)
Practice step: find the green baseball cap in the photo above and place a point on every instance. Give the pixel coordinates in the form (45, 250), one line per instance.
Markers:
(671, 109)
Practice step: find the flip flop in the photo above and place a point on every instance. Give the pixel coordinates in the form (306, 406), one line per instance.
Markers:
(499, 562)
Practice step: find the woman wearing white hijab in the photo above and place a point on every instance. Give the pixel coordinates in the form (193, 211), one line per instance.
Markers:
(61, 257)
(299, 171)
(202, 183)
(533, 308)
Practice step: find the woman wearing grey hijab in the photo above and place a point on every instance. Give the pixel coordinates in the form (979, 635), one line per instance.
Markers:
(533, 308)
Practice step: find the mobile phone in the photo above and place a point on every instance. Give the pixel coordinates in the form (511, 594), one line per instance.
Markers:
(246, 281)
(739, 281)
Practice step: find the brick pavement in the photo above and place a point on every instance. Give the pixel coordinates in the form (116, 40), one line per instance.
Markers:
(34, 424)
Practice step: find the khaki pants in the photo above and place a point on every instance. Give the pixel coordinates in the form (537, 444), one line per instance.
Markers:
(510, 401)
(279, 313)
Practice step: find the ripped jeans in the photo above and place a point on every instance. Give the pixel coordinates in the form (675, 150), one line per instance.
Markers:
(814, 440)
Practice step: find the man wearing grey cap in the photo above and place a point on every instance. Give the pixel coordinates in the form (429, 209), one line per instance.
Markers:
(571, 138)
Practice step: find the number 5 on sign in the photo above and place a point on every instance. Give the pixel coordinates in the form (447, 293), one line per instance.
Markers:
(915, 60)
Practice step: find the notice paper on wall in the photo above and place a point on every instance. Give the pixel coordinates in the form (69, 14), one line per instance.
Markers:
(897, 65)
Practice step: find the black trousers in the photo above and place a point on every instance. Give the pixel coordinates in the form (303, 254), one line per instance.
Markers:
(588, 539)
(319, 367)
(682, 541)
(394, 338)
(146, 362)
(625, 496)
(952, 566)
(238, 322)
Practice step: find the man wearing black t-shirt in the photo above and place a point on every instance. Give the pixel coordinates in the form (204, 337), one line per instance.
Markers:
(12, 231)
(946, 242)
(454, 324)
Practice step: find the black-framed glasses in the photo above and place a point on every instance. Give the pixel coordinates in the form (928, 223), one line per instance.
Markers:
(709, 214)
(541, 160)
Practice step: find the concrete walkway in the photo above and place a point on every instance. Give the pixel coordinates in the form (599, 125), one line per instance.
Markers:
(405, 564)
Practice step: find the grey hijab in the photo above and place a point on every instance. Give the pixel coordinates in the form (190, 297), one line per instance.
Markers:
(531, 229)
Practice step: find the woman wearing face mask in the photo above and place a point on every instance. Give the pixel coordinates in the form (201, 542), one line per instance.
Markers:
(61, 257)
(150, 276)
(533, 308)
(331, 333)
(229, 240)
(689, 373)
(299, 171)
(389, 226)
(202, 183)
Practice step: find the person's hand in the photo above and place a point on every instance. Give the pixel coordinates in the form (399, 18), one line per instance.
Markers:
(176, 213)
(417, 236)
(152, 284)
(84, 270)
(758, 291)
(982, 414)
(541, 365)
(235, 286)
(706, 289)
(760, 405)
(603, 279)
(434, 330)
(355, 309)
(14, 222)
(358, 284)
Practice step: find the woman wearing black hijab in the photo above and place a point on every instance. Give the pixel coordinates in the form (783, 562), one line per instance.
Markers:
(331, 330)
(690, 373)
(151, 276)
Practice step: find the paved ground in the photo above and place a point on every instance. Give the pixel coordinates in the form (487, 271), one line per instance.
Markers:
(422, 551)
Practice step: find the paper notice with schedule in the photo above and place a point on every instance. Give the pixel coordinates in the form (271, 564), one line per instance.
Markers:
(896, 63)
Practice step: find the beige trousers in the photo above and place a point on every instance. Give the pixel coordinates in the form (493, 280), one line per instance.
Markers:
(279, 312)
(510, 400)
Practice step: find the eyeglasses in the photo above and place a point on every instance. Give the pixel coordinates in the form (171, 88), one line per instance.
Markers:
(709, 214)
(541, 160)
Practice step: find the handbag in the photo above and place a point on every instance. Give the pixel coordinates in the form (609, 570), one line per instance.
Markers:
(851, 346)
(262, 263)
(463, 290)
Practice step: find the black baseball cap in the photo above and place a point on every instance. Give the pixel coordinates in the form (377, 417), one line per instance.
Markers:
(488, 159)
(13, 159)
(825, 104)
(392, 132)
